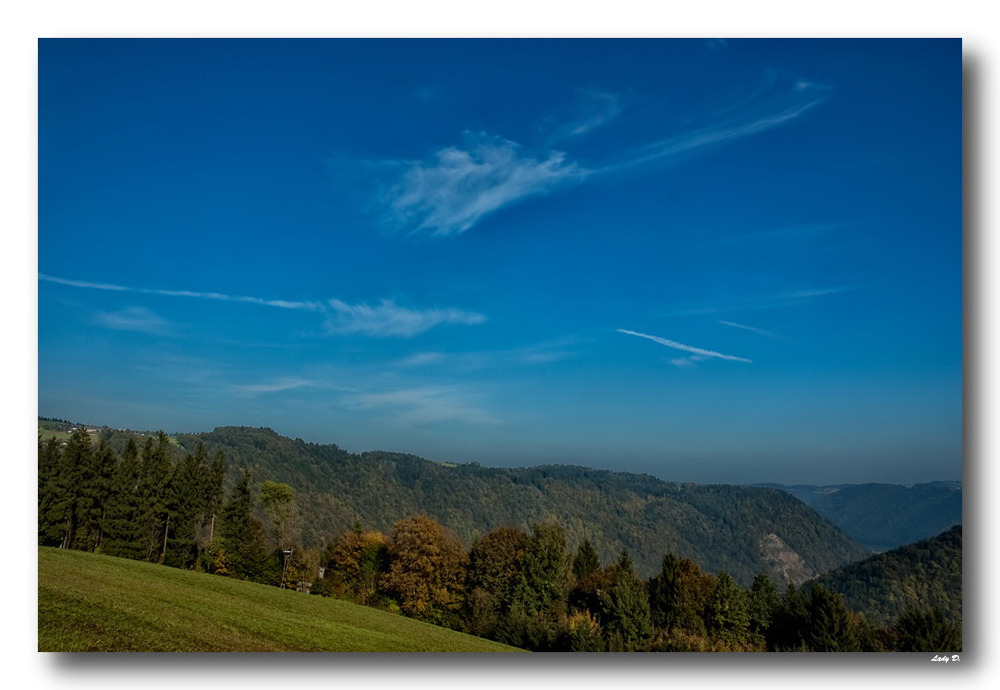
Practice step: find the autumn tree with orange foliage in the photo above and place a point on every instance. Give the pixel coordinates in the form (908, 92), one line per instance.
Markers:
(426, 570)
(357, 561)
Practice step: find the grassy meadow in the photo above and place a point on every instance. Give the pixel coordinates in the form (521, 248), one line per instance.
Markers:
(93, 603)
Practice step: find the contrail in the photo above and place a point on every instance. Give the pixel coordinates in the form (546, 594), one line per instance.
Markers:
(385, 319)
(758, 331)
(282, 304)
(686, 348)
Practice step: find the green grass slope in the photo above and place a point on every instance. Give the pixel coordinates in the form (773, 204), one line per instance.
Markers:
(94, 603)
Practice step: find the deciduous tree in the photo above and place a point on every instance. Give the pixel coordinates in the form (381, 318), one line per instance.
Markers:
(357, 561)
(494, 573)
(426, 570)
(278, 501)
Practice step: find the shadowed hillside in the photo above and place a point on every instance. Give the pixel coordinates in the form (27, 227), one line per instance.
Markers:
(743, 530)
(927, 574)
(883, 516)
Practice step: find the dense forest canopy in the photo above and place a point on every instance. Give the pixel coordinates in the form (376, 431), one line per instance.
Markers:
(723, 527)
(881, 517)
(928, 572)
(188, 503)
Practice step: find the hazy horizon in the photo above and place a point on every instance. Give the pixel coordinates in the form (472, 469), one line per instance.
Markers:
(706, 260)
(652, 466)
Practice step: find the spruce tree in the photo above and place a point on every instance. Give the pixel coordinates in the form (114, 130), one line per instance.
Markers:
(830, 626)
(763, 602)
(73, 477)
(185, 507)
(51, 490)
(122, 533)
(726, 614)
(625, 614)
(545, 574)
(154, 493)
(242, 534)
(96, 492)
(586, 560)
(923, 630)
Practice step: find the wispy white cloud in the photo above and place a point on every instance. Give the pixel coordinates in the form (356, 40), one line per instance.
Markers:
(252, 390)
(426, 405)
(696, 351)
(283, 304)
(138, 319)
(421, 359)
(461, 185)
(594, 109)
(758, 331)
(771, 106)
(288, 383)
(389, 319)
(777, 301)
(385, 319)
(686, 362)
(542, 353)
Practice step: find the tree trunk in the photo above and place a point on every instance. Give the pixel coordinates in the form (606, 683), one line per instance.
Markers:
(166, 529)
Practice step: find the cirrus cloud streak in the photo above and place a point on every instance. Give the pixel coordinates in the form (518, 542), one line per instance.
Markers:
(386, 319)
(698, 352)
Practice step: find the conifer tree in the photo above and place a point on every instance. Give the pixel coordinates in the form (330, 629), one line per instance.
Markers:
(678, 595)
(625, 614)
(242, 535)
(154, 494)
(830, 627)
(544, 579)
(75, 467)
(96, 492)
(51, 490)
(122, 535)
(790, 624)
(762, 604)
(586, 560)
(185, 508)
(726, 613)
(923, 630)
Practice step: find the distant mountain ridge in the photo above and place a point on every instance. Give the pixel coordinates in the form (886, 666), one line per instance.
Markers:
(881, 517)
(927, 573)
(743, 530)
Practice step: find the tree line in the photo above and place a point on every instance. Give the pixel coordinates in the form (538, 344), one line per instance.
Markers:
(524, 588)
(720, 527)
(528, 589)
(146, 505)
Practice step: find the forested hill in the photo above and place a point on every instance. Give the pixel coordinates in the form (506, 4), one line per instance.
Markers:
(924, 574)
(885, 516)
(743, 530)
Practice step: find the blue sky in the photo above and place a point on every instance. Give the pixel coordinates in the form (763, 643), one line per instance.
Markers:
(708, 260)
